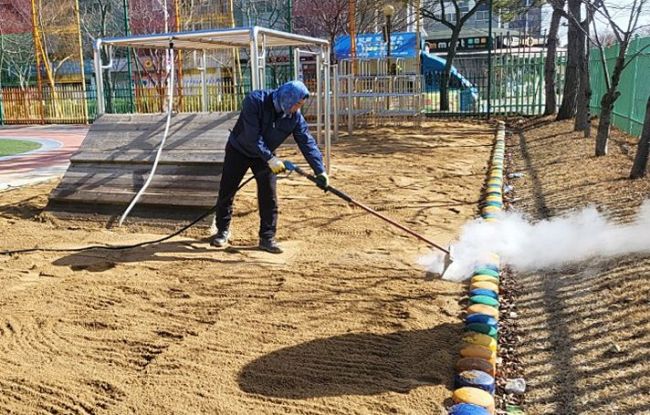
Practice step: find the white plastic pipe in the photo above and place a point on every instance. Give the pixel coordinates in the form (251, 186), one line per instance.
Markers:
(170, 98)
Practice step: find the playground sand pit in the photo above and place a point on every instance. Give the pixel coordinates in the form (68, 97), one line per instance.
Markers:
(584, 331)
(344, 322)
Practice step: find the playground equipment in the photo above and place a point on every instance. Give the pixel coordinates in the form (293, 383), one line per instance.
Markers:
(116, 157)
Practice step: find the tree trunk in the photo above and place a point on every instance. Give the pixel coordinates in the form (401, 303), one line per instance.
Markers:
(604, 123)
(641, 159)
(584, 91)
(444, 81)
(608, 100)
(549, 64)
(571, 77)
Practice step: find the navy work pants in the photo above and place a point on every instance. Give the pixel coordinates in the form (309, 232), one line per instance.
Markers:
(235, 167)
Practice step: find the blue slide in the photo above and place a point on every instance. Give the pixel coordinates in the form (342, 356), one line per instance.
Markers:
(432, 67)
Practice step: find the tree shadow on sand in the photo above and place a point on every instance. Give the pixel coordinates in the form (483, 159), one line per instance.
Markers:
(356, 364)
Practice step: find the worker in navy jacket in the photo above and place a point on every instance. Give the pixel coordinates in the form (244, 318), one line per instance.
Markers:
(267, 118)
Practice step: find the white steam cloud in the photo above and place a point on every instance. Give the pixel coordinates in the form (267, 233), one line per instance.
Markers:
(549, 243)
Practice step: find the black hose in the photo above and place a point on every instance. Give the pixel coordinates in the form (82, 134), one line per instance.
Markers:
(120, 247)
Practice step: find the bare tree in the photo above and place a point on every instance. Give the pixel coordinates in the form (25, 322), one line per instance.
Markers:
(642, 150)
(624, 36)
(551, 56)
(575, 48)
(17, 45)
(17, 58)
(327, 18)
(436, 10)
(101, 19)
(582, 120)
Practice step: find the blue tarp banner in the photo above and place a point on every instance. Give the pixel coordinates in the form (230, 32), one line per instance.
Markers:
(372, 45)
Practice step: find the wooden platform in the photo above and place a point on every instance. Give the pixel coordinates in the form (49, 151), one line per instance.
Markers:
(116, 157)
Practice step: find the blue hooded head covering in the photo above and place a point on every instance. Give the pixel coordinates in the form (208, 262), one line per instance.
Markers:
(288, 95)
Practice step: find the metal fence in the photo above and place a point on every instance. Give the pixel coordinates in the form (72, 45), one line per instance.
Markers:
(72, 104)
(629, 109)
(371, 95)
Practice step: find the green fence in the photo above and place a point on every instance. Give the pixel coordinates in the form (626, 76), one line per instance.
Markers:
(629, 109)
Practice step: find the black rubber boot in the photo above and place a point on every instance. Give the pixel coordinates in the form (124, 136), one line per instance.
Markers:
(270, 245)
(221, 239)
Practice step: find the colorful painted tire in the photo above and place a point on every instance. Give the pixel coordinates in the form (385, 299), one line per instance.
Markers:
(491, 331)
(485, 300)
(480, 340)
(486, 271)
(479, 352)
(467, 409)
(478, 318)
(483, 291)
(491, 209)
(474, 396)
(484, 278)
(475, 379)
(474, 363)
(483, 309)
(485, 285)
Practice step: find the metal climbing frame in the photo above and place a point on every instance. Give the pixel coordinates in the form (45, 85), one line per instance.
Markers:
(372, 93)
(256, 40)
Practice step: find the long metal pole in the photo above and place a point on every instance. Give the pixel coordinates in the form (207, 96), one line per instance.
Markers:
(328, 110)
(335, 100)
(204, 85)
(319, 97)
(489, 85)
(99, 79)
(127, 32)
(290, 29)
(253, 61)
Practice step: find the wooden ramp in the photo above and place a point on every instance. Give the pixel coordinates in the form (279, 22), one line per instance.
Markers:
(116, 157)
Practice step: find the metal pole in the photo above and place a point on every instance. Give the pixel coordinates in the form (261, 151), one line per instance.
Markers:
(262, 63)
(290, 29)
(328, 112)
(489, 85)
(335, 98)
(350, 102)
(296, 65)
(253, 60)
(99, 78)
(319, 89)
(204, 85)
(125, 7)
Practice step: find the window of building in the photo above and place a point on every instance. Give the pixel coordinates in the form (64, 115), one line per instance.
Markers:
(482, 16)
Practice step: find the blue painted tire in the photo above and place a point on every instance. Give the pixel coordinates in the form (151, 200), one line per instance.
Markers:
(486, 271)
(467, 409)
(483, 329)
(475, 379)
(481, 319)
(483, 291)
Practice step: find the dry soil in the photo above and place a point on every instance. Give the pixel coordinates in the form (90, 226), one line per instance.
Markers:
(344, 322)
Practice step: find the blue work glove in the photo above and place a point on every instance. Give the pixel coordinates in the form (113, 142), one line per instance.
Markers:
(322, 181)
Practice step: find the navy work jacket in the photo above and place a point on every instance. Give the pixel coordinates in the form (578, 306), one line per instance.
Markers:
(260, 130)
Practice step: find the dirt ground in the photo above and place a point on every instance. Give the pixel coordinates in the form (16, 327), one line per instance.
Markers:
(344, 322)
(584, 339)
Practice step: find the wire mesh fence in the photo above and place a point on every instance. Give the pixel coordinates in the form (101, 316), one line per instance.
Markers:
(629, 109)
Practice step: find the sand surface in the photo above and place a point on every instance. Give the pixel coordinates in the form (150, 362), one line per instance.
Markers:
(584, 340)
(344, 322)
